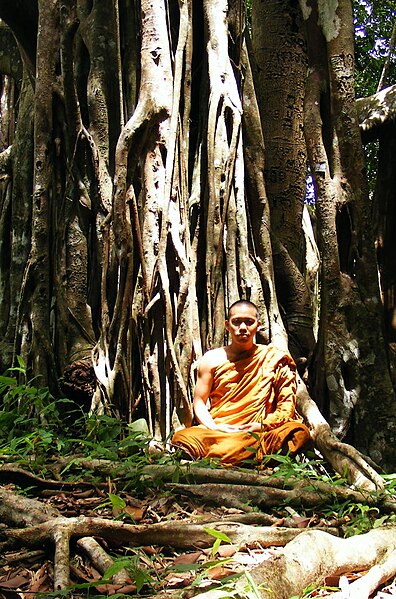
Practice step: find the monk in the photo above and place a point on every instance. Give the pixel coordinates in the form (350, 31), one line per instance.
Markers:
(244, 398)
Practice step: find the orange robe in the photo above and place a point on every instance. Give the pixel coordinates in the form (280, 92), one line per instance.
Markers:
(261, 388)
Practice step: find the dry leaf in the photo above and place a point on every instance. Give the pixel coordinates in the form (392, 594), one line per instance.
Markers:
(223, 551)
(188, 558)
(179, 580)
(301, 522)
(14, 583)
(219, 572)
(38, 579)
(136, 513)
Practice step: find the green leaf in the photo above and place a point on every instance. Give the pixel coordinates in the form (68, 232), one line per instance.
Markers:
(16, 369)
(139, 426)
(379, 521)
(186, 567)
(115, 568)
(215, 546)
(253, 586)
(21, 363)
(7, 381)
(140, 578)
(217, 534)
(117, 502)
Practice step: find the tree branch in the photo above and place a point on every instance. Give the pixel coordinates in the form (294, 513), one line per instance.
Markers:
(314, 555)
(376, 111)
(22, 18)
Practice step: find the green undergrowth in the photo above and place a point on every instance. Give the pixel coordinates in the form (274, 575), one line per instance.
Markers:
(33, 424)
(37, 430)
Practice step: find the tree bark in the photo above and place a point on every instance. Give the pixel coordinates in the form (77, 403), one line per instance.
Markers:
(349, 356)
(143, 215)
(314, 555)
(38, 274)
(279, 47)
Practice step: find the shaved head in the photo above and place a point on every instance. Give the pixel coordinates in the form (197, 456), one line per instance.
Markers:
(243, 302)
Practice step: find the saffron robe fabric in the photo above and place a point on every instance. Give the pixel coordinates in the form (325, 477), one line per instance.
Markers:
(259, 388)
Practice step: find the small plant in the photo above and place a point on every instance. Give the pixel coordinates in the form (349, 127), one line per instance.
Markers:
(312, 591)
(30, 417)
(219, 536)
(361, 518)
(142, 578)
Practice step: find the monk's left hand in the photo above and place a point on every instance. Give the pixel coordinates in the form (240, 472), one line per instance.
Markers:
(251, 427)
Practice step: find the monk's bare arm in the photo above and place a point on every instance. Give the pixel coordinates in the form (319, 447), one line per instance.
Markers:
(202, 391)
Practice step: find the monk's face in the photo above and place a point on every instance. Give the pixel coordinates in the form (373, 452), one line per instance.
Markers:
(242, 325)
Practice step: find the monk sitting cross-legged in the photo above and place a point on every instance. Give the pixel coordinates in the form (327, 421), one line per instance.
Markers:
(250, 389)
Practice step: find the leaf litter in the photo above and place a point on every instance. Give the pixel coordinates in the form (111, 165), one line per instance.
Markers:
(152, 570)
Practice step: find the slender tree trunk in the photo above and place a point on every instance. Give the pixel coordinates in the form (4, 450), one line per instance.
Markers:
(38, 266)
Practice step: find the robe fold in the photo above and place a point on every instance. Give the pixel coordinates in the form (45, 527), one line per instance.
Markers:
(260, 388)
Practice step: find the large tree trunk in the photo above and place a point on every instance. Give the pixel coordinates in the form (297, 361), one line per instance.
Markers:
(137, 201)
(279, 47)
(376, 117)
(352, 376)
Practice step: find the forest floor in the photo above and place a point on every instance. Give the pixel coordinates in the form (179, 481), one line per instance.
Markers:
(29, 573)
(158, 570)
(90, 508)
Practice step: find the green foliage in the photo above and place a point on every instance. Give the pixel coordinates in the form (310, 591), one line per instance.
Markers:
(359, 517)
(117, 503)
(30, 417)
(251, 588)
(307, 467)
(143, 578)
(34, 423)
(373, 28)
(390, 481)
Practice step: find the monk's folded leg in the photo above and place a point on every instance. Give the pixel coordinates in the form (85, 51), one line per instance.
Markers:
(201, 442)
(233, 448)
(289, 437)
(190, 440)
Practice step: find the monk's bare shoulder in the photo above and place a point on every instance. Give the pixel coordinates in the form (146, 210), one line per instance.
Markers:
(213, 358)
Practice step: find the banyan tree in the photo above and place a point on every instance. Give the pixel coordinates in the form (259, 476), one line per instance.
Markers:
(154, 166)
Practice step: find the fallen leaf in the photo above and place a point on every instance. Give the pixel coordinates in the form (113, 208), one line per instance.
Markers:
(14, 583)
(222, 551)
(301, 522)
(136, 513)
(219, 572)
(127, 589)
(188, 558)
(39, 578)
(179, 580)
